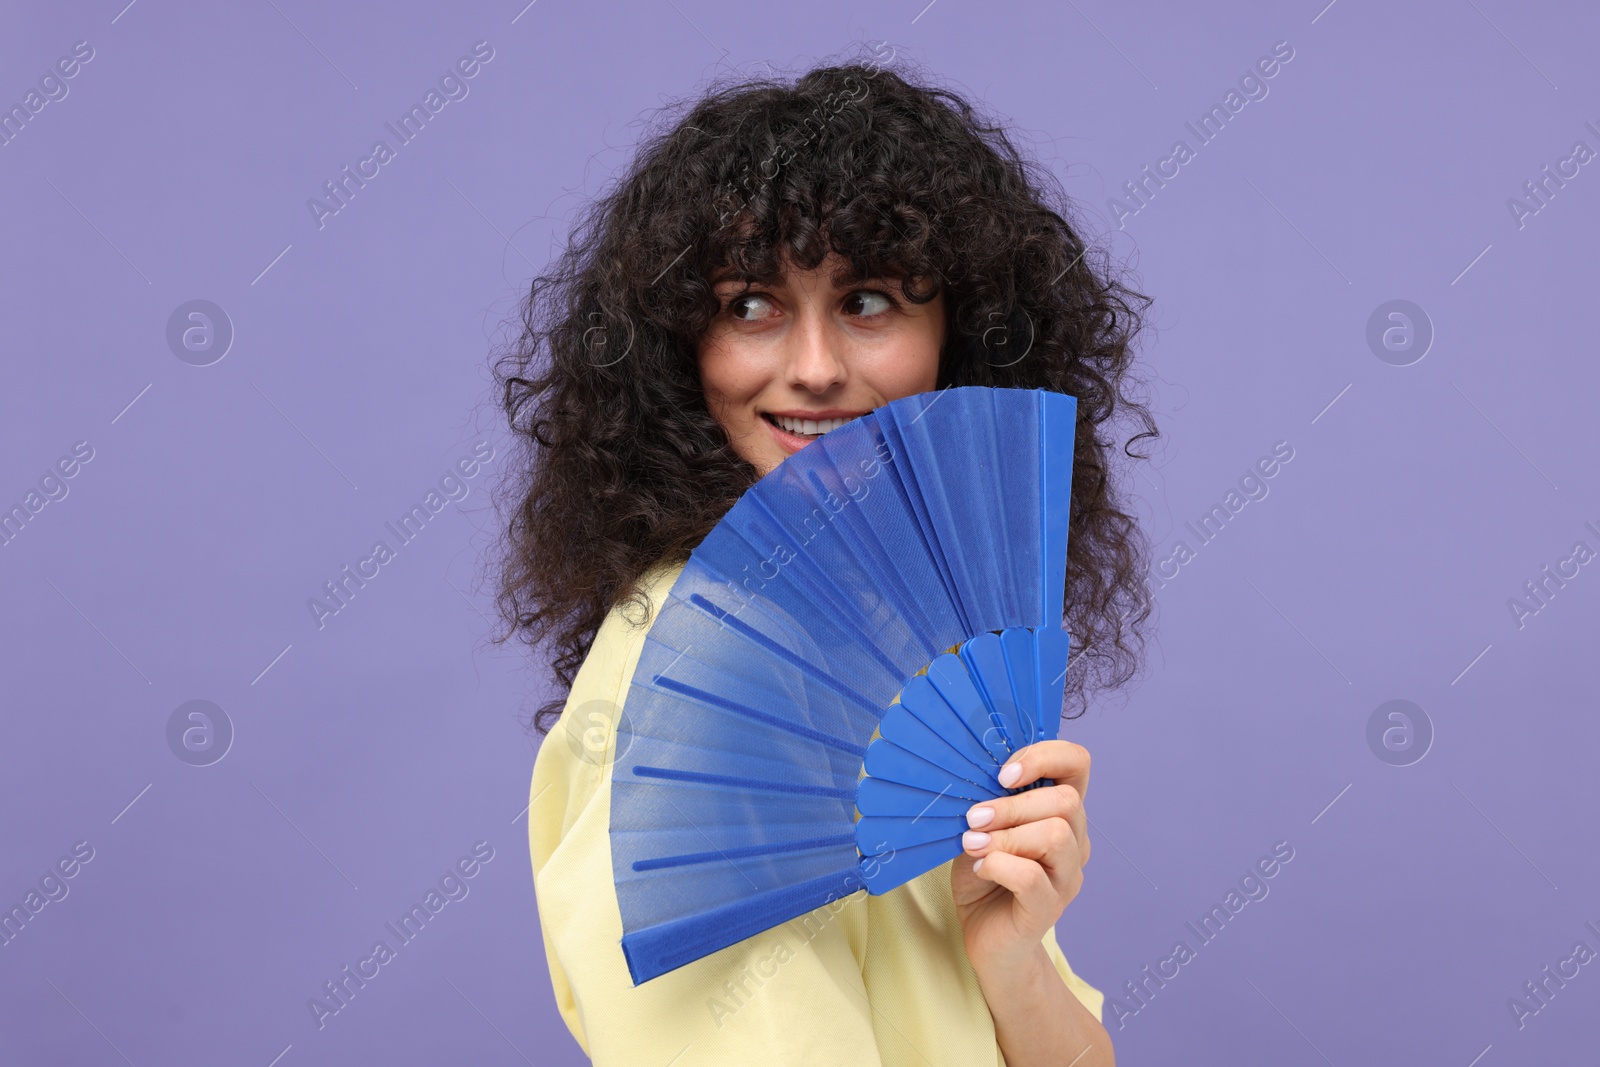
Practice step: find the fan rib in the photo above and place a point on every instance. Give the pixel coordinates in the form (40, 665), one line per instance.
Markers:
(712, 700)
(904, 602)
(821, 593)
(688, 858)
(1057, 416)
(664, 946)
(906, 478)
(788, 657)
(744, 783)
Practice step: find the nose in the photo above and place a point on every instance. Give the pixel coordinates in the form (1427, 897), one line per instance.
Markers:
(816, 359)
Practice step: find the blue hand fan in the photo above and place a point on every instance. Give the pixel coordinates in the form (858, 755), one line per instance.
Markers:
(797, 728)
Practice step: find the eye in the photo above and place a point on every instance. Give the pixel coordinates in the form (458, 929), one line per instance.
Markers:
(743, 300)
(872, 302)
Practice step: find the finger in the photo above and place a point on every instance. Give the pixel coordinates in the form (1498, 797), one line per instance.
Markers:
(1035, 895)
(1049, 842)
(1030, 805)
(1062, 761)
(1033, 805)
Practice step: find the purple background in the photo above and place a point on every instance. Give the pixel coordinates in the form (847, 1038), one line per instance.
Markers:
(372, 753)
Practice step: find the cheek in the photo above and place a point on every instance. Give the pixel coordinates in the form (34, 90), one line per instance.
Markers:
(930, 370)
(919, 378)
(724, 372)
(913, 373)
(713, 377)
(729, 387)
(932, 343)
(919, 367)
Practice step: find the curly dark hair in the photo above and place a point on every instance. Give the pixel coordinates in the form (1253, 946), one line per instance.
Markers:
(618, 462)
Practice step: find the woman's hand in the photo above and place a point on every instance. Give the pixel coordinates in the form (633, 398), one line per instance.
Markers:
(1022, 866)
(1024, 857)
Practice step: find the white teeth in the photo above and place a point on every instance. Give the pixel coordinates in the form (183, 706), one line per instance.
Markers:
(809, 427)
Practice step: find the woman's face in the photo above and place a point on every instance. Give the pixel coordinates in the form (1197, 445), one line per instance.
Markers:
(805, 348)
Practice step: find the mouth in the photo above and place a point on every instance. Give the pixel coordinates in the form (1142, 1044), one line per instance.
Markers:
(794, 432)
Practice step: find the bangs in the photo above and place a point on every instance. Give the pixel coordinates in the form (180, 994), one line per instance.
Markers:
(793, 175)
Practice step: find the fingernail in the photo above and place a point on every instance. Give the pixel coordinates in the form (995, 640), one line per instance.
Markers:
(978, 818)
(1009, 774)
(976, 866)
(972, 839)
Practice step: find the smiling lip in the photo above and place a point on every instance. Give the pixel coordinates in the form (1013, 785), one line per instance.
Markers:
(831, 413)
(792, 443)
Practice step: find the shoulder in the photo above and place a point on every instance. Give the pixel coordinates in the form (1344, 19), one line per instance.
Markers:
(652, 587)
(574, 754)
(608, 666)
(621, 635)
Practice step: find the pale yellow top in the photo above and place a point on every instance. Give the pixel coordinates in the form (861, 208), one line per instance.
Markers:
(867, 981)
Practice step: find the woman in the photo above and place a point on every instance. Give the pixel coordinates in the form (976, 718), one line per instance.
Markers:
(783, 259)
